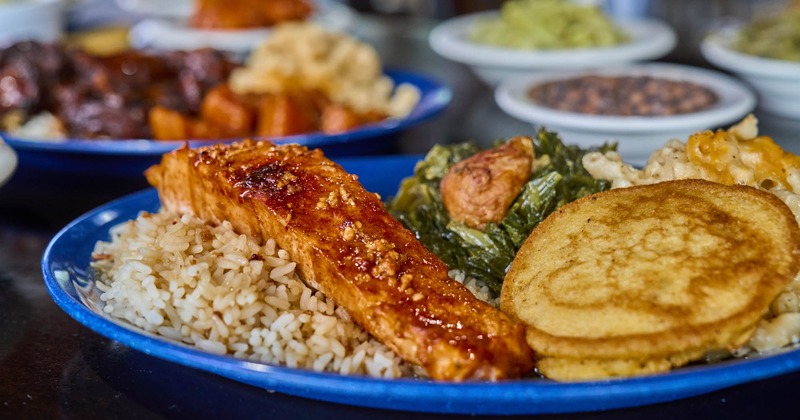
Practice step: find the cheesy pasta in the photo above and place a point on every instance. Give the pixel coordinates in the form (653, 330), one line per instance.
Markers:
(734, 156)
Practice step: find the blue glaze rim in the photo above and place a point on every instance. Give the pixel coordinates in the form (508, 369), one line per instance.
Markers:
(434, 98)
(70, 250)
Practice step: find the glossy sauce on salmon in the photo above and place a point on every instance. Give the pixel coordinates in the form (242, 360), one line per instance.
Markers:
(350, 248)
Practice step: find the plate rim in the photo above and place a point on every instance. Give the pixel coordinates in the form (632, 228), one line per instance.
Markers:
(435, 97)
(527, 396)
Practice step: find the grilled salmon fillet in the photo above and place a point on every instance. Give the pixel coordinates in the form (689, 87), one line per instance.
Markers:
(638, 280)
(347, 245)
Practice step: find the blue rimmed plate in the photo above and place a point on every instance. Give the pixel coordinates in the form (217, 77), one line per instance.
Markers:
(8, 162)
(133, 156)
(70, 250)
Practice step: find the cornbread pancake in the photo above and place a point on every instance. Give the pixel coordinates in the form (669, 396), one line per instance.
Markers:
(636, 280)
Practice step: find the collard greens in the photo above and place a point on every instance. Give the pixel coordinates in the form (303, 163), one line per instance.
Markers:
(558, 179)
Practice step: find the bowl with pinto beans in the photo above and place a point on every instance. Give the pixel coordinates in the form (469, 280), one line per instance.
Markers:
(640, 107)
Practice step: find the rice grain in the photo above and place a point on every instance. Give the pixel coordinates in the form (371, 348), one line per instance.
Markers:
(209, 287)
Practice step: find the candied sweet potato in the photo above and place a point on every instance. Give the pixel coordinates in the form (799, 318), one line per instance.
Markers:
(286, 114)
(338, 119)
(231, 113)
(168, 124)
(240, 14)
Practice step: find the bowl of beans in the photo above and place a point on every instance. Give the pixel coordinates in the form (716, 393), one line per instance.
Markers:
(640, 107)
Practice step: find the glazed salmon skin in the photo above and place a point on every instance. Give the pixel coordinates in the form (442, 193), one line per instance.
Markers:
(348, 246)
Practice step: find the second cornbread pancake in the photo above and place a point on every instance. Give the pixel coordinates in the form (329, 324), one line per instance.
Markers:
(637, 280)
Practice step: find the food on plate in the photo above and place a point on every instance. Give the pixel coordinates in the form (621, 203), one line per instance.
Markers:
(79, 95)
(775, 36)
(686, 269)
(245, 14)
(738, 155)
(226, 114)
(548, 24)
(623, 95)
(481, 188)
(555, 178)
(347, 246)
(642, 279)
(208, 286)
(306, 57)
(301, 80)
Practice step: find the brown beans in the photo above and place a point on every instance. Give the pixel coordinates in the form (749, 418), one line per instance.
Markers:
(623, 96)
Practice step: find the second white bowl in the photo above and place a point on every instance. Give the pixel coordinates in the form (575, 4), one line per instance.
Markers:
(637, 136)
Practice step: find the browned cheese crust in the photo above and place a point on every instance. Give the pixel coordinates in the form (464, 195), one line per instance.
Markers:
(637, 280)
(349, 247)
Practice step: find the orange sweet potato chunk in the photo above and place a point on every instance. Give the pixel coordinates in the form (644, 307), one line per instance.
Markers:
(285, 114)
(231, 113)
(167, 124)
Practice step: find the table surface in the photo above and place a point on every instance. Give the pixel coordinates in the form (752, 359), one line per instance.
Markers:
(53, 367)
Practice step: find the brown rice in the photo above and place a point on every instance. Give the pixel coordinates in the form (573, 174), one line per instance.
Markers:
(226, 294)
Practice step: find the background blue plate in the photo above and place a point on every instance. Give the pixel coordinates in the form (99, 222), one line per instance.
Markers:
(70, 251)
(131, 157)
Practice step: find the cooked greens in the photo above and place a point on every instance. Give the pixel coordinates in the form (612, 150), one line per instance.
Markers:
(558, 179)
(773, 36)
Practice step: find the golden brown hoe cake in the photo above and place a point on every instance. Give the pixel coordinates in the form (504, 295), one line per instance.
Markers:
(348, 246)
(642, 279)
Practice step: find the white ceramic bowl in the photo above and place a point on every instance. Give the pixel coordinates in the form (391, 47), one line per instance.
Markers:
(777, 82)
(650, 39)
(38, 20)
(172, 9)
(637, 136)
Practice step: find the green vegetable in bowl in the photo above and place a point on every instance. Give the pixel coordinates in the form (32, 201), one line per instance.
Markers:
(776, 36)
(548, 24)
(486, 254)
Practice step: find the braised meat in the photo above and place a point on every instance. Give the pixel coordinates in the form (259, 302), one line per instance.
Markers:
(105, 96)
(28, 70)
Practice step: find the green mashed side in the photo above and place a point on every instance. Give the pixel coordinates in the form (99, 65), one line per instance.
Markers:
(776, 37)
(548, 24)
